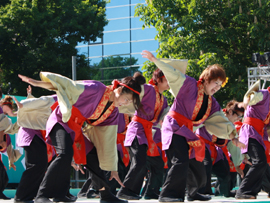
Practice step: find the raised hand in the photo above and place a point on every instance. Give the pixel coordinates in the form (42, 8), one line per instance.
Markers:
(149, 56)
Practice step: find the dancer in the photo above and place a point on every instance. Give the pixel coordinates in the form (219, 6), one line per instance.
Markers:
(193, 105)
(215, 160)
(251, 133)
(89, 101)
(139, 138)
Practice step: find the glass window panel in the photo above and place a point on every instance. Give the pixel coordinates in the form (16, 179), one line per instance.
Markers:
(137, 1)
(95, 61)
(147, 33)
(141, 60)
(82, 43)
(121, 36)
(136, 23)
(118, 24)
(117, 3)
(117, 12)
(139, 46)
(83, 50)
(123, 48)
(95, 50)
(98, 40)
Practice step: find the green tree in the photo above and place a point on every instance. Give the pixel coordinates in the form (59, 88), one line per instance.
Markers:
(41, 35)
(114, 68)
(207, 32)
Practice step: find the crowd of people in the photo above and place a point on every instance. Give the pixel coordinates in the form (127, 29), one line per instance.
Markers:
(126, 133)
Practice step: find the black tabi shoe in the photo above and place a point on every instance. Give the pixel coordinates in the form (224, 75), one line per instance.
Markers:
(107, 197)
(151, 196)
(170, 199)
(232, 193)
(124, 193)
(242, 196)
(65, 199)
(199, 197)
(42, 200)
(92, 194)
(72, 197)
(27, 201)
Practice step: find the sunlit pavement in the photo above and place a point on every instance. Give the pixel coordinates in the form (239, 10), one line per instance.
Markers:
(262, 197)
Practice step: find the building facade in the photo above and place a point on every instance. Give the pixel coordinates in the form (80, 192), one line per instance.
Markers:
(122, 37)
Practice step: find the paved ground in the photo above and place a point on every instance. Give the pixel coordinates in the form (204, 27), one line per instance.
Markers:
(262, 197)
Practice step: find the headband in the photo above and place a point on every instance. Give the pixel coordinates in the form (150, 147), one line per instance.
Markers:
(7, 103)
(151, 82)
(116, 83)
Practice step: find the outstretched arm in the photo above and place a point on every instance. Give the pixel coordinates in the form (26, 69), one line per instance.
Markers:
(36, 83)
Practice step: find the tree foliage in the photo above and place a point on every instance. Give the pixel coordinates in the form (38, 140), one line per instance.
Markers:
(41, 35)
(117, 68)
(208, 31)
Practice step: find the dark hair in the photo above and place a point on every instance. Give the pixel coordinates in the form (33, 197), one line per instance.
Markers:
(213, 72)
(233, 105)
(135, 83)
(8, 101)
(157, 74)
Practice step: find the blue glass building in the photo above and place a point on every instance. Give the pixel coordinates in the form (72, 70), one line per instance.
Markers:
(123, 36)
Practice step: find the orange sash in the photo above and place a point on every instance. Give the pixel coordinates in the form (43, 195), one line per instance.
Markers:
(50, 148)
(120, 140)
(76, 122)
(258, 125)
(198, 145)
(212, 149)
(147, 126)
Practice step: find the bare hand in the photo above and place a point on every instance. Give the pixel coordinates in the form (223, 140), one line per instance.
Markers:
(77, 167)
(237, 143)
(19, 105)
(28, 80)
(12, 166)
(246, 161)
(149, 56)
(240, 171)
(114, 174)
(29, 89)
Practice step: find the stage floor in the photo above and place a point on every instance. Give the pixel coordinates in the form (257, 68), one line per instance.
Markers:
(262, 197)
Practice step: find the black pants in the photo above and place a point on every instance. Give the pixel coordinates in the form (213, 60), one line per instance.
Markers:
(137, 171)
(36, 162)
(3, 177)
(155, 167)
(251, 184)
(178, 158)
(222, 171)
(266, 181)
(122, 172)
(57, 178)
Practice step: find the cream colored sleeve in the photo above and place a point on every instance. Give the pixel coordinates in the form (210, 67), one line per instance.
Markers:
(35, 112)
(174, 71)
(129, 109)
(255, 97)
(218, 124)
(164, 113)
(104, 138)
(235, 152)
(13, 154)
(14, 128)
(67, 90)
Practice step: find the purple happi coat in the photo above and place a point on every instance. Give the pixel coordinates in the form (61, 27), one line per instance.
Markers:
(260, 111)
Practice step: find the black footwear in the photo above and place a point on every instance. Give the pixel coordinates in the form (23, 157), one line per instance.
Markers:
(42, 200)
(92, 194)
(232, 193)
(3, 196)
(107, 197)
(152, 196)
(242, 196)
(72, 197)
(199, 197)
(124, 193)
(65, 199)
(28, 201)
(170, 199)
